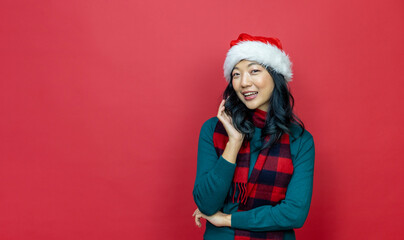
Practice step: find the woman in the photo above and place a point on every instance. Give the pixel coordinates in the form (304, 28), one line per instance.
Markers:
(255, 159)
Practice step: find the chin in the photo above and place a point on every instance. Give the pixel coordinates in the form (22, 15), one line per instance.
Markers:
(251, 106)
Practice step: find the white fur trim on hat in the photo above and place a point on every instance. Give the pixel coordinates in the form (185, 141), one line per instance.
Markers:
(263, 53)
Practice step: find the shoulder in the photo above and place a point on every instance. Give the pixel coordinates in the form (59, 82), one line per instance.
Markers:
(300, 140)
(207, 132)
(210, 124)
(298, 134)
(208, 127)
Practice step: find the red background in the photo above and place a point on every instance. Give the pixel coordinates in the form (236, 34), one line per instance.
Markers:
(102, 103)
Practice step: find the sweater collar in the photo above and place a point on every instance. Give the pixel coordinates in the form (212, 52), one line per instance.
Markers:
(259, 117)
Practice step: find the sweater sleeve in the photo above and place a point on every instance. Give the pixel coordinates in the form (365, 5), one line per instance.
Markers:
(213, 174)
(293, 210)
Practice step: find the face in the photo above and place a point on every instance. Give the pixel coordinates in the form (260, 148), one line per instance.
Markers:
(253, 84)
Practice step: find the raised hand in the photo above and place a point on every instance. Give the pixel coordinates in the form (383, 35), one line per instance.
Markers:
(227, 121)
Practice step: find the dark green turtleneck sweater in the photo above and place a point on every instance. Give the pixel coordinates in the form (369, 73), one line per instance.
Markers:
(214, 176)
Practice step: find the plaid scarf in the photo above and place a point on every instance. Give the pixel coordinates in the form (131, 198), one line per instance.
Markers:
(269, 179)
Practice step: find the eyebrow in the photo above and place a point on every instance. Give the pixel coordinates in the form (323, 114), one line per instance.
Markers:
(253, 63)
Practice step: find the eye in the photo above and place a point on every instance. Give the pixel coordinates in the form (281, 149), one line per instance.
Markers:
(235, 74)
(255, 71)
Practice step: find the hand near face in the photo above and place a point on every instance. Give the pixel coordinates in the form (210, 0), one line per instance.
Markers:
(227, 122)
(218, 219)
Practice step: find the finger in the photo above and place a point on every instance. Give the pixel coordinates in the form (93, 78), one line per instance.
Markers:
(227, 117)
(221, 106)
(197, 220)
(196, 212)
(221, 103)
(199, 224)
(222, 113)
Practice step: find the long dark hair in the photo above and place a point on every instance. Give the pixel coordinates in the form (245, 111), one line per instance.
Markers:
(280, 115)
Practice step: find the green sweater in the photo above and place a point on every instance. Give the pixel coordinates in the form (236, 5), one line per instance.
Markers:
(214, 176)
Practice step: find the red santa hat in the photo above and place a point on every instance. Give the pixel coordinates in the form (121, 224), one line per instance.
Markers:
(266, 51)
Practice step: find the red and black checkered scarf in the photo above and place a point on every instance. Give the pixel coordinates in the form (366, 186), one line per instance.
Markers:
(269, 179)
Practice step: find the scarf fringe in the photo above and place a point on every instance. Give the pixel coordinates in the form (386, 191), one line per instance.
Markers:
(241, 189)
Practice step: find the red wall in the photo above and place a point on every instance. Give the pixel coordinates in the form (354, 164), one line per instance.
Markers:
(101, 103)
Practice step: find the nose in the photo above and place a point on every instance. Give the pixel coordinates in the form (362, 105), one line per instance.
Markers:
(245, 80)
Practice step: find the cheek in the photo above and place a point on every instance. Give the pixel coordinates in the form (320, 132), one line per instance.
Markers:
(236, 88)
(240, 96)
(268, 91)
(235, 85)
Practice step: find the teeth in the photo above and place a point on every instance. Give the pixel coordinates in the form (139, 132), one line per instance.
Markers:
(250, 93)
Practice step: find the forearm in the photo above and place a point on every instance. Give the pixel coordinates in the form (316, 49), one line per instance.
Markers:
(283, 216)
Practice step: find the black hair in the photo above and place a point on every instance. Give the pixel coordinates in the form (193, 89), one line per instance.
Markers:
(280, 115)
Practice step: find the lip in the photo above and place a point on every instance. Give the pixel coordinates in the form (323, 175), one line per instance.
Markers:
(251, 97)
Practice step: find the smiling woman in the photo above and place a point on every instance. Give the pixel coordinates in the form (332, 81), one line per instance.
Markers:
(253, 84)
(255, 158)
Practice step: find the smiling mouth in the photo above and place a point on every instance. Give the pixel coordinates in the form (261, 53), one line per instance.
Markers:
(250, 95)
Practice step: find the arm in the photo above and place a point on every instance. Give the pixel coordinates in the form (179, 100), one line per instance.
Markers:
(293, 210)
(213, 175)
